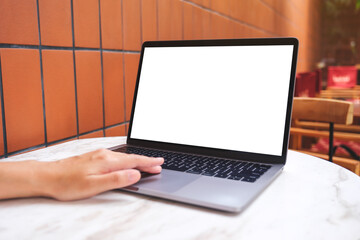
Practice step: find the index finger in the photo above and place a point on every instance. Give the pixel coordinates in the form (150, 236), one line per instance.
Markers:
(117, 161)
(139, 161)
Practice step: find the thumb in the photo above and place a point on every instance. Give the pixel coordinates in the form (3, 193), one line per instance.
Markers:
(117, 179)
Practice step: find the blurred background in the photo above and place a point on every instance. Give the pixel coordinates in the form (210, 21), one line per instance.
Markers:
(68, 67)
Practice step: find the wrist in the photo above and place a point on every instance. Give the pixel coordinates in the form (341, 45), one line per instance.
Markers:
(43, 179)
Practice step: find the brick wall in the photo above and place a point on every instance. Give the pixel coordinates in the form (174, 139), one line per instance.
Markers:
(68, 67)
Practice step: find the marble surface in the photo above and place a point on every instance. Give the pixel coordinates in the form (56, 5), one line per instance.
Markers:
(311, 199)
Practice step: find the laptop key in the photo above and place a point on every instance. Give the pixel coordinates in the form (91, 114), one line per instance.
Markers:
(208, 173)
(256, 174)
(265, 166)
(261, 170)
(235, 177)
(248, 179)
(221, 175)
(194, 171)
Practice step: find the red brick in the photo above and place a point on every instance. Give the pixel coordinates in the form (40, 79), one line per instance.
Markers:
(113, 88)
(18, 21)
(59, 91)
(170, 20)
(22, 98)
(86, 23)
(111, 24)
(115, 131)
(89, 90)
(132, 34)
(149, 20)
(55, 22)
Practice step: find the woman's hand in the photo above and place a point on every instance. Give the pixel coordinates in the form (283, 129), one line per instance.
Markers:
(75, 177)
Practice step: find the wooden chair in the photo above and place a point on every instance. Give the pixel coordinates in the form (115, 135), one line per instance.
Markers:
(316, 112)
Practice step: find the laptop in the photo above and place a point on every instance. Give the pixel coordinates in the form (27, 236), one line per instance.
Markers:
(218, 112)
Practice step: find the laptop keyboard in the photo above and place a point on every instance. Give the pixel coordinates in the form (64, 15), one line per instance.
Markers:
(203, 165)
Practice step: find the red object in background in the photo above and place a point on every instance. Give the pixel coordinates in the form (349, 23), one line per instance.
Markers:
(307, 84)
(322, 146)
(342, 77)
(318, 75)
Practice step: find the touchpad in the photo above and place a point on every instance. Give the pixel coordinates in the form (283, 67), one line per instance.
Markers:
(166, 181)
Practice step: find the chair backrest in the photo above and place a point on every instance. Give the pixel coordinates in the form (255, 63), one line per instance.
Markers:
(329, 111)
(323, 110)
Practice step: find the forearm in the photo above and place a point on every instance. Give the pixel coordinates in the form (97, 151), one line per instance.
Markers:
(75, 177)
(23, 179)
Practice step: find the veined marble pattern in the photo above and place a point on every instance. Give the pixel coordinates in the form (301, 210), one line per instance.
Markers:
(311, 199)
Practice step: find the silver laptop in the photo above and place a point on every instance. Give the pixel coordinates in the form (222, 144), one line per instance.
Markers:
(219, 112)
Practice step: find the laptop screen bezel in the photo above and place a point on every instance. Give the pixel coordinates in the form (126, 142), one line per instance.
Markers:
(239, 155)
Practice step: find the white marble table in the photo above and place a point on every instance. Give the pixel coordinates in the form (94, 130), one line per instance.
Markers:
(311, 199)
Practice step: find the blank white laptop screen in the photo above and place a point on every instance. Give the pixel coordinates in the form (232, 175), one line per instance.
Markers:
(223, 97)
